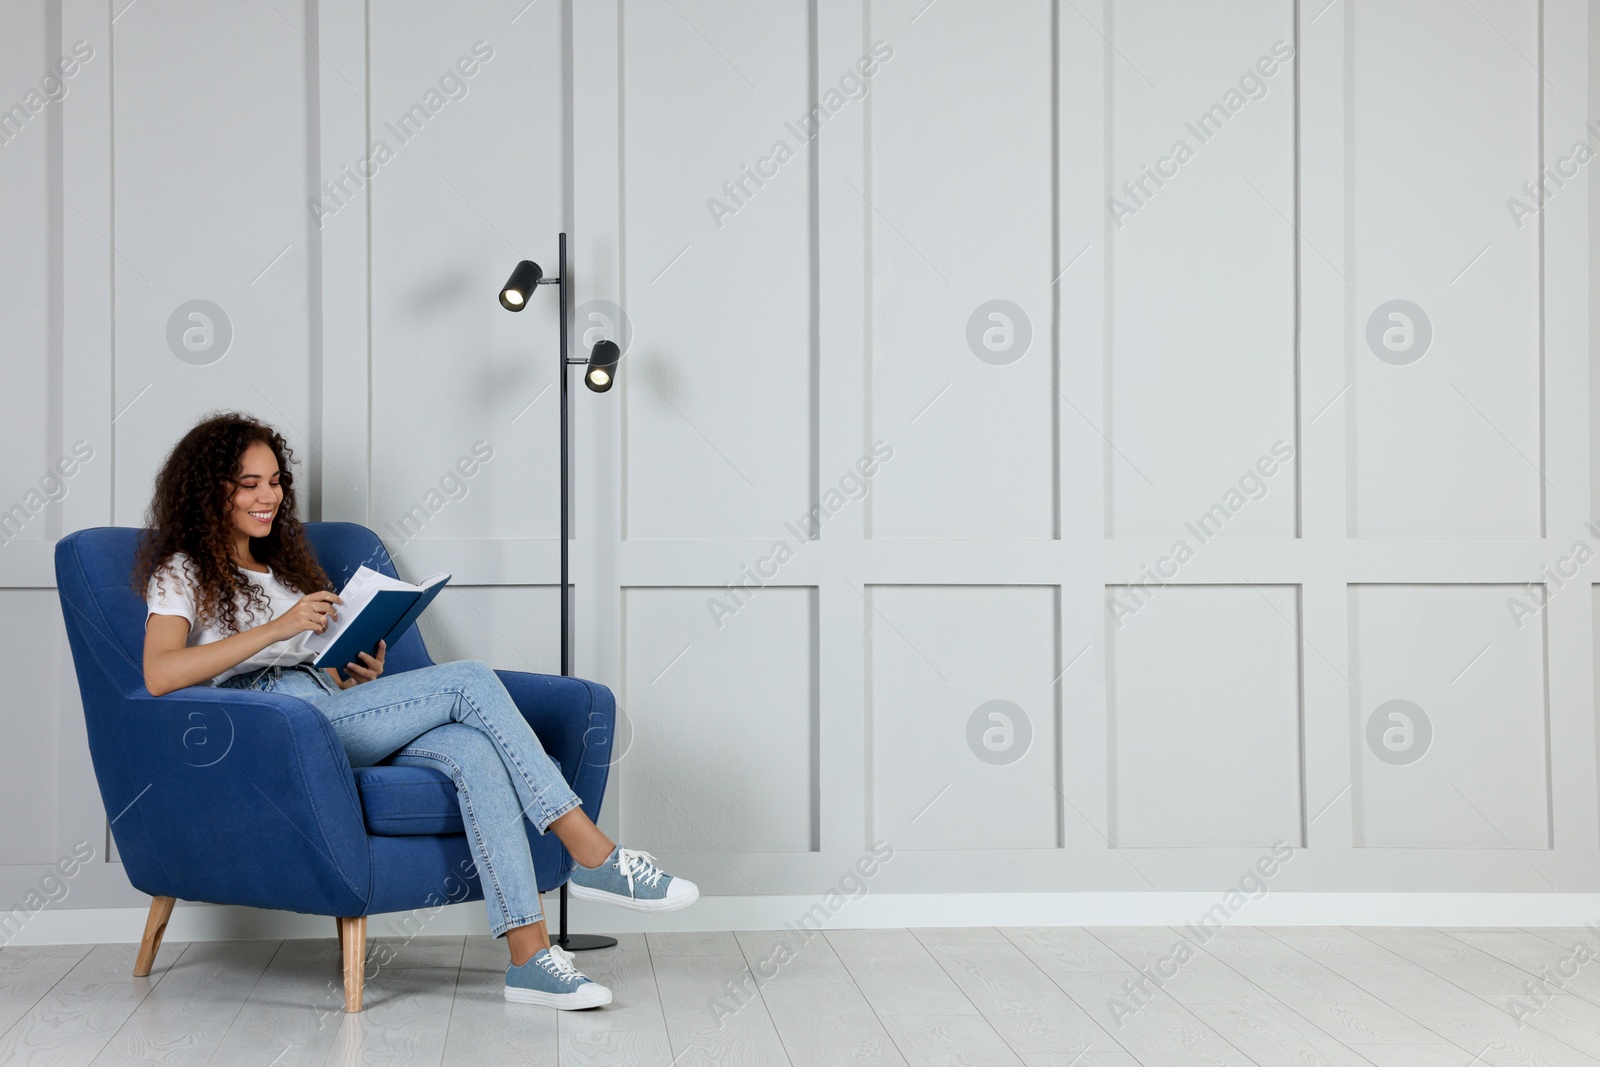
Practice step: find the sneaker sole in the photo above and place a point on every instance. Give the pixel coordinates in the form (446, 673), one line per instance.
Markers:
(587, 996)
(664, 904)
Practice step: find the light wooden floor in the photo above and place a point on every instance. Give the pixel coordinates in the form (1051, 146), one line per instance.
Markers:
(1341, 997)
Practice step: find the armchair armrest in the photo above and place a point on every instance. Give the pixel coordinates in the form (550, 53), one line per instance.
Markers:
(575, 720)
(236, 797)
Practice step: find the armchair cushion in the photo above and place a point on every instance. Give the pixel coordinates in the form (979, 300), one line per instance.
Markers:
(573, 718)
(402, 801)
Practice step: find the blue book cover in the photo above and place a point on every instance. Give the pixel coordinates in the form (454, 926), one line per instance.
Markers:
(386, 617)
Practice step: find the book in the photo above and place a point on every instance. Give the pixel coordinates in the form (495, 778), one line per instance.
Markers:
(376, 608)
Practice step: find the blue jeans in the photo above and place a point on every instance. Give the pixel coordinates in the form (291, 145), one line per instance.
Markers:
(456, 718)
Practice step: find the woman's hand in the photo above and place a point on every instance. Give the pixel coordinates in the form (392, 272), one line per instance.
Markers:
(373, 667)
(314, 611)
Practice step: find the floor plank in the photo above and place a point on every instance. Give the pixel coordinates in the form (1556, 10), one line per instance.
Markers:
(1233, 931)
(1023, 1005)
(635, 1001)
(1463, 1019)
(780, 956)
(706, 1023)
(694, 943)
(625, 1048)
(828, 1024)
(1064, 950)
(485, 1027)
(393, 951)
(293, 1013)
(949, 1041)
(1335, 1004)
(1268, 1032)
(18, 952)
(1552, 968)
(1181, 968)
(1154, 1028)
(399, 1022)
(1334, 946)
(1469, 967)
(971, 996)
(1422, 1056)
(184, 1017)
(897, 976)
(958, 935)
(1565, 936)
(25, 980)
(1565, 1017)
(72, 1022)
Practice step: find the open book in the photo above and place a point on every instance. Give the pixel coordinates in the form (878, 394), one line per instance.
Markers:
(376, 607)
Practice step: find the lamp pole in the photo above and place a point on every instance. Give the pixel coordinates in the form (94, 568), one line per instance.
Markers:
(602, 362)
(566, 604)
(570, 942)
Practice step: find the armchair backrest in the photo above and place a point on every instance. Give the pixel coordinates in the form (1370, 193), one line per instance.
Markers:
(105, 617)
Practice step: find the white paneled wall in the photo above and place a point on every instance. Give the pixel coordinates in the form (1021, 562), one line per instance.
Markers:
(1078, 444)
(1475, 683)
(1204, 704)
(30, 436)
(958, 671)
(723, 750)
(206, 205)
(448, 224)
(30, 148)
(1448, 445)
(958, 186)
(719, 434)
(1201, 262)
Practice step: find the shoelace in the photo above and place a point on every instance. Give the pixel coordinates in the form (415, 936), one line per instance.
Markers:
(640, 865)
(558, 961)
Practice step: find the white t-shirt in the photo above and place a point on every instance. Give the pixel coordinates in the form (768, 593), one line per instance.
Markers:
(171, 591)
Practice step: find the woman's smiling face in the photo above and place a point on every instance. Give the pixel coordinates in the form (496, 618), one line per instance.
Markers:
(257, 492)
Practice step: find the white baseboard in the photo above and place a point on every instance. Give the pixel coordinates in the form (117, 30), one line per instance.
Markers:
(211, 922)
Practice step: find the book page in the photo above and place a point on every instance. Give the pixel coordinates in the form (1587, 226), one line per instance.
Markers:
(357, 594)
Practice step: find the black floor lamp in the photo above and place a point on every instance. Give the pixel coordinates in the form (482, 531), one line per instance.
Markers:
(602, 370)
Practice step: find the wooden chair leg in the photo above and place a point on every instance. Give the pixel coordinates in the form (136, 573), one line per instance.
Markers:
(339, 925)
(155, 925)
(353, 950)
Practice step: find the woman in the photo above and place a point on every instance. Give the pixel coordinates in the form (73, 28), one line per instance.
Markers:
(234, 591)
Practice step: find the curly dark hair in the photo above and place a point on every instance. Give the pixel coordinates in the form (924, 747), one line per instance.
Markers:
(190, 511)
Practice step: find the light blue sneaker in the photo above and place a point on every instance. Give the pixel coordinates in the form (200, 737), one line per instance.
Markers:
(551, 979)
(632, 879)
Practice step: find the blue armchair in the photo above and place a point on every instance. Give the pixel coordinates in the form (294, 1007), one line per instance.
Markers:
(241, 797)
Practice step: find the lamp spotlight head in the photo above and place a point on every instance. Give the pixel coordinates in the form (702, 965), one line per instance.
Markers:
(603, 360)
(518, 290)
